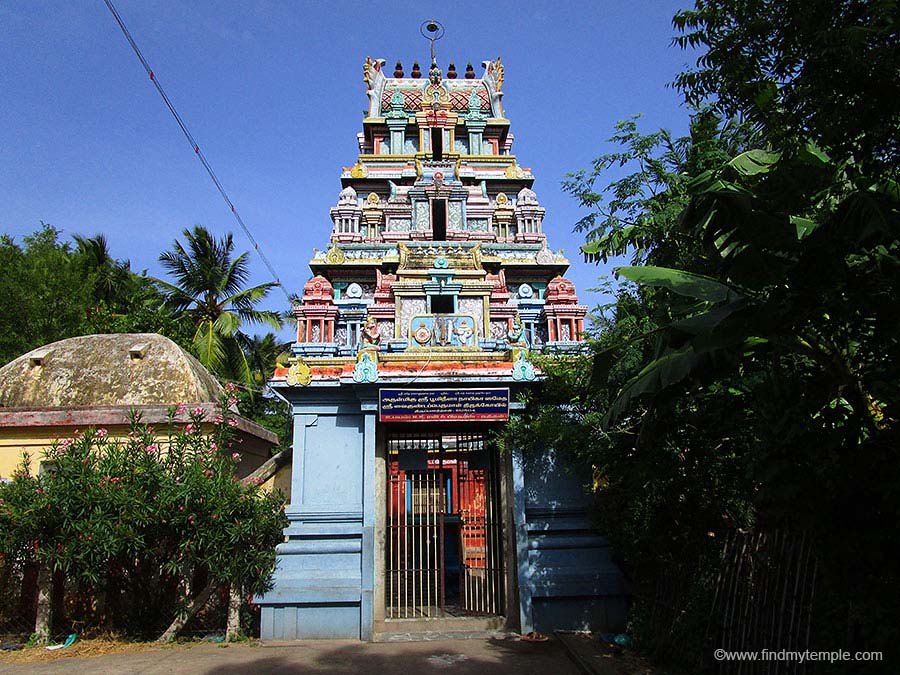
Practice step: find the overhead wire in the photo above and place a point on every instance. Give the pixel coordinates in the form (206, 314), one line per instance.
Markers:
(195, 146)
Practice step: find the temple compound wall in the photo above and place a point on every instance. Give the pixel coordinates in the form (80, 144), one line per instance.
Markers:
(415, 336)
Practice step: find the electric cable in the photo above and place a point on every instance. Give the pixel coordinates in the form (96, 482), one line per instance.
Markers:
(195, 146)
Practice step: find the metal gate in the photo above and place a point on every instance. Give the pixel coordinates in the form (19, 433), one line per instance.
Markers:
(444, 553)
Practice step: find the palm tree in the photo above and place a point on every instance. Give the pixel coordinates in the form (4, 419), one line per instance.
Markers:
(264, 353)
(109, 278)
(209, 288)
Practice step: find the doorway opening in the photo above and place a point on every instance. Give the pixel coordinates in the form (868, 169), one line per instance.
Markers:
(439, 219)
(437, 144)
(444, 553)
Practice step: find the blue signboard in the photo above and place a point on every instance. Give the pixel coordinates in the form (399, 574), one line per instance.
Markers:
(443, 405)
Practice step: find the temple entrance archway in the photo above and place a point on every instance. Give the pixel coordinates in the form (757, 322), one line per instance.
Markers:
(444, 549)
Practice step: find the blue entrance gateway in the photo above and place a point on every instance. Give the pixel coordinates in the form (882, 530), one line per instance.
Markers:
(415, 336)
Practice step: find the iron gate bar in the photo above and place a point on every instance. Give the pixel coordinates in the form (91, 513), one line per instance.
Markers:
(457, 478)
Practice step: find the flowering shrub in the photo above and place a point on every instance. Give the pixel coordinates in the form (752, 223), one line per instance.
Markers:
(134, 524)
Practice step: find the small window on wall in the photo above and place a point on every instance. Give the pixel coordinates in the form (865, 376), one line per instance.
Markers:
(437, 144)
(442, 304)
(439, 219)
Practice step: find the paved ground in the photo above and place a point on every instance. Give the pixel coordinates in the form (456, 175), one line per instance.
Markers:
(477, 657)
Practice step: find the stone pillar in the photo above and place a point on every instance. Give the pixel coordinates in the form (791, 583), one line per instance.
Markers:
(397, 127)
(369, 407)
(476, 131)
(323, 581)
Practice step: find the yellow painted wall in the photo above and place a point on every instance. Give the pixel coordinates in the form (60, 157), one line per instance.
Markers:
(16, 441)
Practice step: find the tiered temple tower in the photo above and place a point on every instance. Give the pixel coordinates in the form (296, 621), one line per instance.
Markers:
(414, 336)
(438, 240)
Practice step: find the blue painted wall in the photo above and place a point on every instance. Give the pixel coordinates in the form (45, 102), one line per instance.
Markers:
(567, 578)
(324, 575)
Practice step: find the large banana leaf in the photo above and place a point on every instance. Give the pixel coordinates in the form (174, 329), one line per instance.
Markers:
(684, 283)
(753, 162)
(673, 367)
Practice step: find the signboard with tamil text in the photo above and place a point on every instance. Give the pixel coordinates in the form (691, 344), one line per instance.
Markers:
(443, 405)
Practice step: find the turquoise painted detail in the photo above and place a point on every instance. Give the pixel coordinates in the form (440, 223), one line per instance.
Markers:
(366, 369)
(523, 369)
(396, 111)
(441, 263)
(474, 112)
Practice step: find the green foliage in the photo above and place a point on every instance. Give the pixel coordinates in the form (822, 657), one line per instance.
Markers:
(52, 291)
(42, 294)
(636, 213)
(256, 402)
(750, 379)
(209, 289)
(142, 517)
(801, 69)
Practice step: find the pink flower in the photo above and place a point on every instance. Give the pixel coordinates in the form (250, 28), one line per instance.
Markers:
(232, 422)
(236, 456)
(213, 447)
(181, 409)
(66, 442)
(232, 400)
(231, 386)
(218, 419)
(198, 411)
(101, 432)
(190, 428)
(151, 449)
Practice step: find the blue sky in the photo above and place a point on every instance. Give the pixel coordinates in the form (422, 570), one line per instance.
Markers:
(273, 93)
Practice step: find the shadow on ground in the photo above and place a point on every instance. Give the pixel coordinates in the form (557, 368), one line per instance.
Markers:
(469, 656)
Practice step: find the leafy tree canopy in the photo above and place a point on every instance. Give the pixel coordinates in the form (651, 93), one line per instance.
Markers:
(818, 70)
(53, 290)
(747, 374)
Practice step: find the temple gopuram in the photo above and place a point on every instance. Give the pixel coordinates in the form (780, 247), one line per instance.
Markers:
(415, 334)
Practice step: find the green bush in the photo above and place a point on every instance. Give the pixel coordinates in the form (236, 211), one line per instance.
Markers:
(136, 525)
